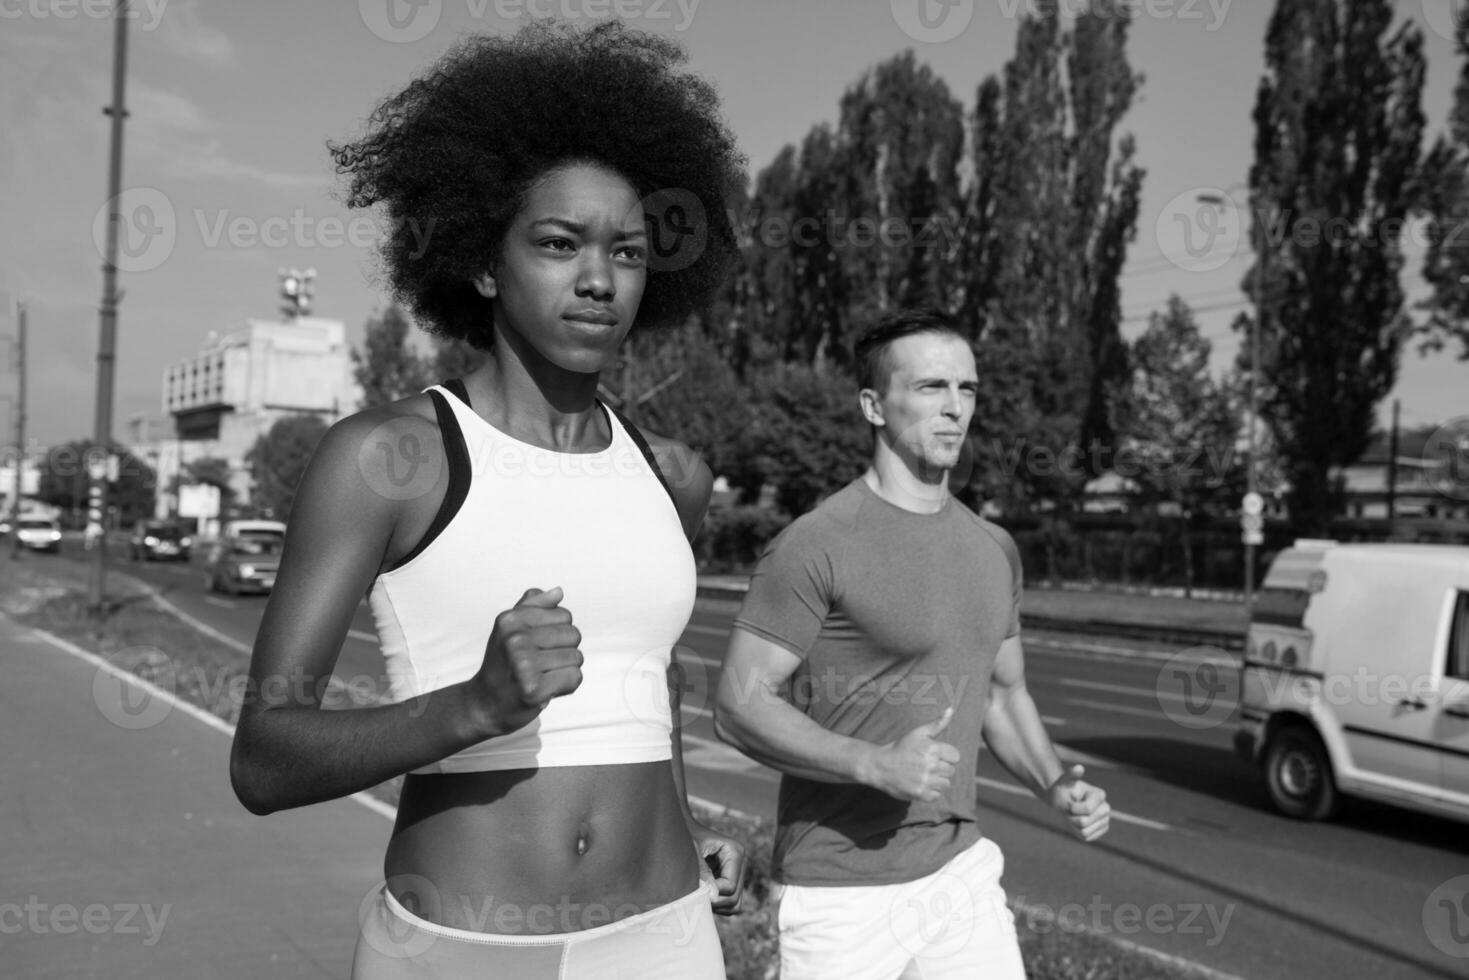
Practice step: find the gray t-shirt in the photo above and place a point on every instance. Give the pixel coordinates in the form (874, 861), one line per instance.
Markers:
(896, 616)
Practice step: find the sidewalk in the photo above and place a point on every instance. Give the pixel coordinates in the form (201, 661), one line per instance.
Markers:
(127, 855)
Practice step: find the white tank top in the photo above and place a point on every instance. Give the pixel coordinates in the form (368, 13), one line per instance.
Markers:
(601, 526)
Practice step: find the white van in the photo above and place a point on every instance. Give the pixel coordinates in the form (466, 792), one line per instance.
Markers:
(1356, 678)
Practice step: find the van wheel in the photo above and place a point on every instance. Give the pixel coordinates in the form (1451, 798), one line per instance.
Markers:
(1298, 775)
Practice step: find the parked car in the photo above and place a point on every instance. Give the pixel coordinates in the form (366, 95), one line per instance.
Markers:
(38, 533)
(1356, 678)
(160, 540)
(245, 562)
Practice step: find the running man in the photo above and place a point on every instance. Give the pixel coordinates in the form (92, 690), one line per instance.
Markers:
(878, 645)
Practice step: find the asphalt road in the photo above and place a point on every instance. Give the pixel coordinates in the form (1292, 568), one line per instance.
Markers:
(1196, 865)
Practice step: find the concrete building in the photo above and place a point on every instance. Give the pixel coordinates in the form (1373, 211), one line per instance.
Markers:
(242, 382)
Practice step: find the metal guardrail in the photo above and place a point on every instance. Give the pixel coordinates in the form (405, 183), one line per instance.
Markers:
(1232, 641)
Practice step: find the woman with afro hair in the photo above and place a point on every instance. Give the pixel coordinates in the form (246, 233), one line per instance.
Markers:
(524, 549)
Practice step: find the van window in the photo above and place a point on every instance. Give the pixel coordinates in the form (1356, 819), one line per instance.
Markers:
(1458, 665)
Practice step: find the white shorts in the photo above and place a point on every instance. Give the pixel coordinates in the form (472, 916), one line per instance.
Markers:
(953, 923)
(677, 941)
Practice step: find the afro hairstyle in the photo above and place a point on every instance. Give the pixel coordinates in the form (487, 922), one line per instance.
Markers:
(452, 157)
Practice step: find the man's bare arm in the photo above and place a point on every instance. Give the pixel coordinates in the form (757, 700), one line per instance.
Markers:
(1014, 732)
(751, 715)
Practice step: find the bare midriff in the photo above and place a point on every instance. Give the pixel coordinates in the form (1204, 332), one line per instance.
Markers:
(539, 851)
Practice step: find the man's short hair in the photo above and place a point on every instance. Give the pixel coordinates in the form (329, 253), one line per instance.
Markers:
(874, 365)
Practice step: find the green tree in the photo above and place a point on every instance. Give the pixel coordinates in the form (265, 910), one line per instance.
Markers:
(807, 437)
(1445, 190)
(1338, 124)
(213, 471)
(65, 483)
(278, 460)
(387, 368)
(1048, 219)
(1179, 427)
(679, 383)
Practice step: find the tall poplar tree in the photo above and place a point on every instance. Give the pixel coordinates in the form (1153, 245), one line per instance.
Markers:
(1446, 202)
(1049, 216)
(1338, 124)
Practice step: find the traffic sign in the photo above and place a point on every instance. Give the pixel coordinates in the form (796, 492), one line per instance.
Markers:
(1253, 538)
(1252, 523)
(1253, 503)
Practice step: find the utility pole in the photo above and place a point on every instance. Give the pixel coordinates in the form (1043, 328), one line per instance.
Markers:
(1392, 465)
(20, 429)
(107, 339)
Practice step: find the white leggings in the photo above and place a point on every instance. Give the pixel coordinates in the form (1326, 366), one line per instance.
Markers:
(676, 941)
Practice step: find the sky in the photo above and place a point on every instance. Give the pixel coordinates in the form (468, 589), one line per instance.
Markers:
(227, 178)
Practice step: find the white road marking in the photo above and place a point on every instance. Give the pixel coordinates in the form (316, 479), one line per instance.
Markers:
(1116, 708)
(1124, 689)
(364, 637)
(1016, 790)
(222, 603)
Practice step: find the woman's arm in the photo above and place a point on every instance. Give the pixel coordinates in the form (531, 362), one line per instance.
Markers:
(289, 752)
(692, 484)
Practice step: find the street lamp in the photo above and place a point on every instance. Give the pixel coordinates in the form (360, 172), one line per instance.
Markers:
(1252, 519)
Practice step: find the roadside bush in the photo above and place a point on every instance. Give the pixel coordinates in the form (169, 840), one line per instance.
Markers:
(733, 538)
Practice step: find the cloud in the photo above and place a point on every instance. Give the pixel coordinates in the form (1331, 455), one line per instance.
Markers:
(183, 33)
